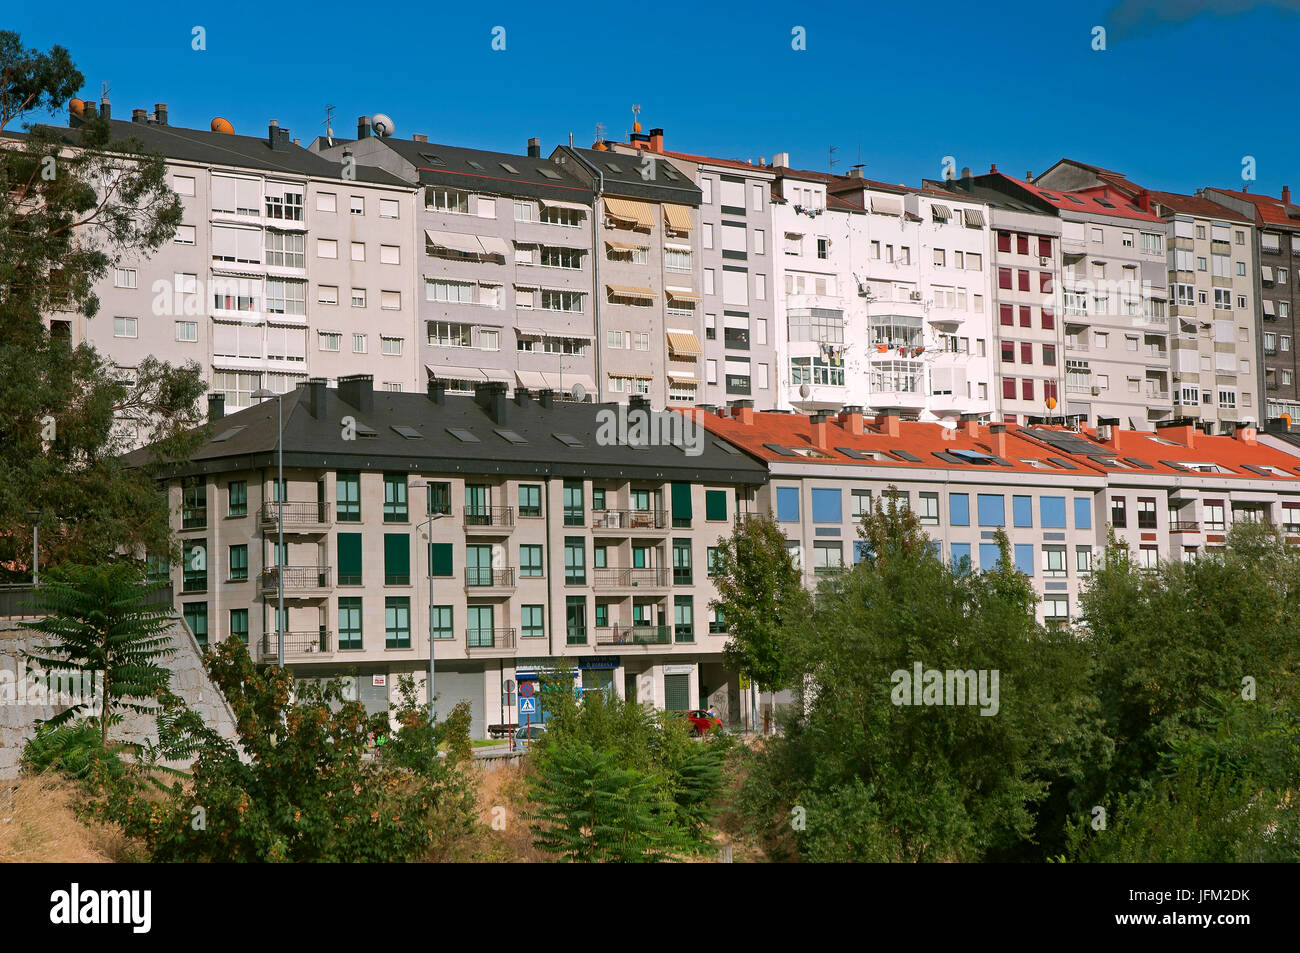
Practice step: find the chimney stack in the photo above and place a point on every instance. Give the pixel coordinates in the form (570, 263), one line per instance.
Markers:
(1182, 431)
(363, 127)
(437, 391)
(545, 397)
(105, 109)
(90, 111)
(998, 436)
(743, 410)
(1112, 437)
(780, 160)
(160, 113)
(966, 180)
(819, 427)
(521, 395)
(887, 422)
(970, 425)
(1246, 435)
(216, 407)
(851, 419)
(316, 396)
(358, 390)
(277, 138)
(534, 148)
(656, 140)
(419, 137)
(855, 172)
(139, 115)
(491, 396)
(1286, 195)
(1029, 176)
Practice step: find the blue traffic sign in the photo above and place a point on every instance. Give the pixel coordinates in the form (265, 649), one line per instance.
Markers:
(527, 705)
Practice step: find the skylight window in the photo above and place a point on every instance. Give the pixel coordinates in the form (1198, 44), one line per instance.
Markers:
(511, 436)
(726, 447)
(366, 431)
(613, 168)
(778, 449)
(432, 159)
(227, 434)
(410, 433)
(906, 455)
(509, 168)
(549, 173)
(474, 165)
(568, 439)
(464, 436)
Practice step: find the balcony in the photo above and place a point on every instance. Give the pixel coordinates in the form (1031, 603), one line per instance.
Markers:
(609, 577)
(194, 517)
(301, 581)
(634, 635)
(298, 517)
(1184, 526)
(629, 519)
(576, 635)
(488, 640)
(480, 578)
(493, 518)
(299, 645)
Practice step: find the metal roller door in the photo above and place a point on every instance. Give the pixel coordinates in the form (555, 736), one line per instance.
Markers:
(453, 687)
(677, 692)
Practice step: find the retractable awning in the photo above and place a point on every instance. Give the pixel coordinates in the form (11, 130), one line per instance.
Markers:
(556, 203)
(630, 211)
(974, 218)
(682, 294)
(493, 245)
(531, 378)
(624, 246)
(455, 372)
(941, 212)
(678, 217)
(685, 342)
(886, 205)
(628, 291)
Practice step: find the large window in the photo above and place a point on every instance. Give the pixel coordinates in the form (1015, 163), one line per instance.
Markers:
(895, 377)
(196, 617)
(682, 570)
(575, 561)
(574, 507)
(286, 249)
(350, 622)
(348, 495)
(238, 560)
(530, 560)
(530, 500)
(683, 619)
(446, 200)
(395, 509)
(991, 510)
(532, 623)
(195, 577)
(816, 370)
(397, 622)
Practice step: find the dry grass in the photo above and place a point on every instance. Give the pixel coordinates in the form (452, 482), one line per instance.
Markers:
(38, 825)
(508, 837)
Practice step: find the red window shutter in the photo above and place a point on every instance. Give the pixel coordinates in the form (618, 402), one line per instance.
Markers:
(1026, 316)
(1007, 315)
(1004, 278)
(1022, 244)
(1024, 280)
(1026, 353)
(1008, 352)
(1049, 319)
(1045, 282)
(1049, 389)
(1004, 242)
(1044, 246)
(1027, 389)
(1009, 388)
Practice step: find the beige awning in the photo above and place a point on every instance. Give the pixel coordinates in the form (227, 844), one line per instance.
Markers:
(628, 291)
(886, 205)
(1268, 306)
(626, 246)
(685, 342)
(555, 203)
(682, 294)
(974, 218)
(941, 212)
(638, 375)
(469, 244)
(493, 245)
(684, 379)
(531, 379)
(455, 372)
(567, 381)
(630, 211)
(678, 217)
(1266, 272)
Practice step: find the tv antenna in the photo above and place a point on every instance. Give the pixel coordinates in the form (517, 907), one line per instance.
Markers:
(329, 124)
(831, 160)
(600, 132)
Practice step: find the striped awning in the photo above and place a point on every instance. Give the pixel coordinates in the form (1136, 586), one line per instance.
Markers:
(455, 372)
(941, 212)
(630, 211)
(681, 294)
(628, 291)
(625, 246)
(469, 244)
(974, 218)
(678, 217)
(555, 203)
(685, 342)
(684, 379)
(638, 375)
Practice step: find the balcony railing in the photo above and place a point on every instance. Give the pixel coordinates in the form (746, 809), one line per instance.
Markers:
(1291, 528)
(481, 577)
(295, 514)
(490, 638)
(611, 577)
(501, 516)
(1184, 526)
(298, 643)
(629, 519)
(296, 578)
(634, 635)
(576, 635)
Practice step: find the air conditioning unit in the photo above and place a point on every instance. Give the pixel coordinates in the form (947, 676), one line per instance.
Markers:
(1044, 262)
(915, 296)
(1096, 391)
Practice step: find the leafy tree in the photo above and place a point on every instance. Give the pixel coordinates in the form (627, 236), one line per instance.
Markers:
(73, 204)
(100, 623)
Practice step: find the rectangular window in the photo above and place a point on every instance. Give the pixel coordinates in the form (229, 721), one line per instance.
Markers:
(530, 560)
(397, 622)
(787, 504)
(574, 503)
(1083, 560)
(532, 623)
(195, 577)
(530, 500)
(1146, 513)
(989, 556)
(395, 509)
(1118, 512)
(348, 494)
(437, 498)
(1082, 513)
(715, 505)
(237, 498)
(575, 561)
(238, 563)
(682, 568)
(860, 500)
(1051, 512)
(1213, 511)
(397, 559)
(350, 622)
(928, 508)
(1023, 554)
(349, 559)
(991, 509)
(959, 509)
(196, 617)
(1022, 511)
(961, 557)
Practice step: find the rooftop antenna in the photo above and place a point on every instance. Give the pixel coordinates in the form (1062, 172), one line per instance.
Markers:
(831, 160)
(104, 90)
(600, 132)
(329, 124)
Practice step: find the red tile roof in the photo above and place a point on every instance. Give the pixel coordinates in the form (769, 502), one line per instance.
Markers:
(1089, 202)
(1268, 210)
(1196, 205)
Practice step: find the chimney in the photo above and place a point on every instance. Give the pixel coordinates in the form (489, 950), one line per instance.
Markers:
(855, 172)
(521, 395)
(970, 425)
(966, 180)
(358, 390)
(363, 127)
(1183, 431)
(160, 113)
(639, 140)
(1144, 200)
(656, 140)
(887, 422)
(437, 391)
(139, 115)
(993, 168)
(315, 388)
(998, 435)
(277, 138)
(851, 418)
(89, 111)
(1029, 176)
(819, 427)
(545, 397)
(216, 407)
(419, 137)
(534, 148)
(1112, 437)
(105, 109)
(780, 160)
(1246, 435)
(743, 410)
(1286, 195)
(491, 396)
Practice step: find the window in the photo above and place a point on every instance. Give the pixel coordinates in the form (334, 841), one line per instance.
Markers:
(860, 501)
(1146, 513)
(1056, 608)
(682, 568)
(395, 510)
(1054, 561)
(358, 251)
(196, 617)
(575, 561)
(358, 205)
(359, 301)
(327, 294)
(1051, 512)
(715, 505)
(388, 208)
(1022, 555)
(530, 500)
(531, 622)
(124, 278)
(1022, 511)
(397, 622)
(397, 559)
(928, 508)
(574, 503)
(238, 563)
(530, 560)
(392, 346)
(185, 236)
(959, 509)
(1118, 512)
(1213, 511)
(390, 255)
(348, 497)
(991, 509)
(787, 504)
(124, 327)
(437, 498)
(358, 344)
(195, 575)
(187, 331)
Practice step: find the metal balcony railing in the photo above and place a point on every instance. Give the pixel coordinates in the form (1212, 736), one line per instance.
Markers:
(490, 638)
(634, 635)
(298, 643)
(296, 578)
(629, 519)
(499, 516)
(1184, 526)
(295, 514)
(611, 577)
(477, 577)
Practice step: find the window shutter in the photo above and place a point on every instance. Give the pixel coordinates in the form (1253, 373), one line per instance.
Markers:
(397, 554)
(349, 558)
(682, 502)
(440, 558)
(715, 504)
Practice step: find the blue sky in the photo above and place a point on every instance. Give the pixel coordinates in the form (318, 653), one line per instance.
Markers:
(1181, 94)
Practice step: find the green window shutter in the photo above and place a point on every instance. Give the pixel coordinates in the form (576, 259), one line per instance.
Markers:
(349, 559)
(440, 559)
(677, 692)
(715, 504)
(681, 504)
(397, 559)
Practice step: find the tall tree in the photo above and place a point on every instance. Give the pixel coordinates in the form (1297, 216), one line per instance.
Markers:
(73, 203)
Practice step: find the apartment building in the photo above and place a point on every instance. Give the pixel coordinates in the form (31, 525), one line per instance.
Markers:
(645, 273)
(556, 542)
(1215, 338)
(736, 251)
(505, 262)
(282, 266)
(1277, 293)
(919, 260)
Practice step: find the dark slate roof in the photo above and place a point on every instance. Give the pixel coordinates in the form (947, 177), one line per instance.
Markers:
(219, 148)
(317, 441)
(669, 184)
(440, 164)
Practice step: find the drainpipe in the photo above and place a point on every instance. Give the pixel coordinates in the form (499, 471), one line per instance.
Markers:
(595, 273)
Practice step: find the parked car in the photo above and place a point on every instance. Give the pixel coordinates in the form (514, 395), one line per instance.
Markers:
(703, 722)
(526, 735)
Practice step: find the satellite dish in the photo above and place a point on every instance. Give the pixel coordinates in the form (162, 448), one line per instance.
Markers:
(382, 124)
(804, 390)
(579, 393)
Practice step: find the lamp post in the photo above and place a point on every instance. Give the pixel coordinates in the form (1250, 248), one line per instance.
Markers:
(428, 529)
(36, 547)
(262, 393)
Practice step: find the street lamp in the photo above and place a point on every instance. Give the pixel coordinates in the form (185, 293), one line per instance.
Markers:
(428, 525)
(36, 547)
(262, 393)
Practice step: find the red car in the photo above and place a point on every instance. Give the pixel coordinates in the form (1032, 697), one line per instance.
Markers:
(703, 722)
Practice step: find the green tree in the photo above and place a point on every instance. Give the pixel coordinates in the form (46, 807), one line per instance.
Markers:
(100, 622)
(73, 204)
